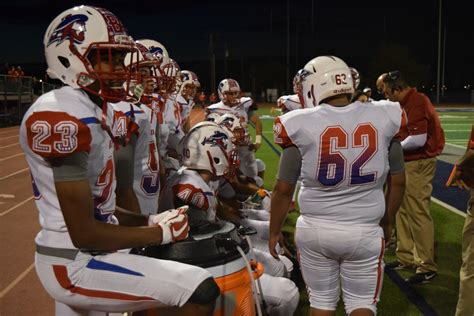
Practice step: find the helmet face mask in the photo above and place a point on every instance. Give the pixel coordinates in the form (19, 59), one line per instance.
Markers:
(327, 76)
(355, 77)
(229, 92)
(85, 48)
(170, 77)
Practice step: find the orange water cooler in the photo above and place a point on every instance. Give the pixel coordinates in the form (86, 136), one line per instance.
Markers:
(214, 248)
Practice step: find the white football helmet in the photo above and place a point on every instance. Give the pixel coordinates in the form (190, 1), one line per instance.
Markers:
(147, 66)
(355, 77)
(157, 49)
(232, 124)
(298, 85)
(189, 84)
(229, 92)
(327, 76)
(170, 76)
(208, 147)
(82, 37)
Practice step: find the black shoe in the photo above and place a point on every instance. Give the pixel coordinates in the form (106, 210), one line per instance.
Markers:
(397, 265)
(421, 278)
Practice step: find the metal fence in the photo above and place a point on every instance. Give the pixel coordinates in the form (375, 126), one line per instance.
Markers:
(18, 93)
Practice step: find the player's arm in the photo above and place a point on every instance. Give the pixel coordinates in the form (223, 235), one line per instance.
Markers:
(288, 172)
(124, 159)
(395, 187)
(76, 201)
(258, 130)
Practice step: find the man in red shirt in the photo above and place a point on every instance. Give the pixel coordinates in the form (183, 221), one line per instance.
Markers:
(464, 178)
(422, 141)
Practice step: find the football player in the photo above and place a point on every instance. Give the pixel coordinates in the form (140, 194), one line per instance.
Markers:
(187, 93)
(207, 156)
(137, 164)
(65, 135)
(244, 108)
(291, 102)
(343, 161)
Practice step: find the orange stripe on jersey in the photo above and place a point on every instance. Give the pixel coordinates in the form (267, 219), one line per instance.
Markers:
(61, 275)
(379, 271)
(280, 135)
(191, 195)
(57, 134)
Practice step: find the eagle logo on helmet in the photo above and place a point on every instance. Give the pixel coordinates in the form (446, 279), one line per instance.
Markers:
(72, 27)
(217, 139)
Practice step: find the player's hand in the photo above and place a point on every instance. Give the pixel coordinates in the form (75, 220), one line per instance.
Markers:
(272, 242)
(173, 223)
(255, 146)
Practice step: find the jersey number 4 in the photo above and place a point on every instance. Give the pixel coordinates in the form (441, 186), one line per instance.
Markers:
(333, 164)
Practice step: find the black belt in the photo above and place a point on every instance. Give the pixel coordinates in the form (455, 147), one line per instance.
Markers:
(57, 252)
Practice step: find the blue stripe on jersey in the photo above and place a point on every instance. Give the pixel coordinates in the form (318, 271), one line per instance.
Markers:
(208, 193)
(90, 120)
(129, 113)
(99, 265)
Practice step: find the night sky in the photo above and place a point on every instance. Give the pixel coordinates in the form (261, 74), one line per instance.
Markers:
(255, 35)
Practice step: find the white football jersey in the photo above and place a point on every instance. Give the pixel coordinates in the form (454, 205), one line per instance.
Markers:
(289, 103)
(186, 186)
(146, 184)
(60, 123)
(241, 110)
(344, 158)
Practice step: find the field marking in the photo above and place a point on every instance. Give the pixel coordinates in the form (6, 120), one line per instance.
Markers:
(18, 205)
(448, 207)
(9, 145)
(16, 281)
(9, 157)
(13, 174)
(10, 137)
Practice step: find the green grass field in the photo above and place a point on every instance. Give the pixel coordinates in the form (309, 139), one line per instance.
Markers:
(441, 294)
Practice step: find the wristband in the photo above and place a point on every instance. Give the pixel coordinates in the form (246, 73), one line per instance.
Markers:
(258, 139)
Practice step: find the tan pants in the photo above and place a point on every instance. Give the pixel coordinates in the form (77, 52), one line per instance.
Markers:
(415, 229)
(466, 275)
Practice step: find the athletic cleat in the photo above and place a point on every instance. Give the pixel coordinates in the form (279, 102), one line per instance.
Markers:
(421, 278)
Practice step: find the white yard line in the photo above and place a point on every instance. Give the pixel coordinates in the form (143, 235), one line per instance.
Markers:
(9, 157)
(448, 207)
(9, 137)
(9, 145)
(18, 205)
(13, 174)
(16, 281)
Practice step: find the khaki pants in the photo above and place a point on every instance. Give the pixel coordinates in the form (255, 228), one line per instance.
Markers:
(415, 229)
(466, 275)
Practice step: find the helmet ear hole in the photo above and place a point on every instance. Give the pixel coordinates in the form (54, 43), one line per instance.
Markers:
(217, 160)
(64, 61)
